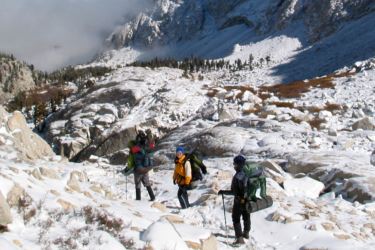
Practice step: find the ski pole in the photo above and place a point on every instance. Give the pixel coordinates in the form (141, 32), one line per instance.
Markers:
(225, 219)
(126, 188)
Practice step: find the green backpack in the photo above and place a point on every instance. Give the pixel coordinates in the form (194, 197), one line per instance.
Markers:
(255, 179)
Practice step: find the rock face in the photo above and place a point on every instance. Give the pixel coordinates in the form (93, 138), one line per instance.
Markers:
(29, 145)
(162, 24)
(22, 81)
(5, 214)
(97, 123)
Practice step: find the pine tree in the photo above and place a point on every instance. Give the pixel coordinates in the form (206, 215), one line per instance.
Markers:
(268, 59)
(261, 62)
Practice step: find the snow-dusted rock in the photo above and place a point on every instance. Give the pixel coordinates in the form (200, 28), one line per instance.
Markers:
(49, 173)
(365, 124)
(224, 113)
(270, 110)
(29, 145)
(358, 113)
(73, 184)
(249, 97)
(156, 233)
(5, 214)
(14, 195)
(344, 172)
(304, 187)
(325, 115)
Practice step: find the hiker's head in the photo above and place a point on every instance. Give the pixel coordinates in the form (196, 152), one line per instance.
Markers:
(239, 161)
(179, 151)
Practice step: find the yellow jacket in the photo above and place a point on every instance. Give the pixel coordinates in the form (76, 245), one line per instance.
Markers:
(182, 174)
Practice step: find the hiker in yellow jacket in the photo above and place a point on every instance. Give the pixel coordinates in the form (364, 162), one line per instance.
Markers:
(182, 177)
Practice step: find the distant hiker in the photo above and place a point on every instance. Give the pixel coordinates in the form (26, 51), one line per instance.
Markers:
(239, 181)
(182, 176)
(133, 163)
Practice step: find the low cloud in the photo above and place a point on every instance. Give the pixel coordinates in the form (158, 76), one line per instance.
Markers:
(52, 34)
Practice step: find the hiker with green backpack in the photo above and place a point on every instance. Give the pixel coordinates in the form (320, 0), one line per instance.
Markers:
(244, 185)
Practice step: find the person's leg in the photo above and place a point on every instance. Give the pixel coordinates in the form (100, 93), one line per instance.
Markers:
(247, 224)
(137, 182)
(183, 196)
(151, 193)
(146, 182)
(236, 218)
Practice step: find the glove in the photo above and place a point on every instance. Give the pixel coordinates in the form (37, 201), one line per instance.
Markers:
(221, 192)
(174, 182)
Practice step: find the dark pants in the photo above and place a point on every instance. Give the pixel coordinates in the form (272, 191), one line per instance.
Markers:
(183, 196)
(239, 209)
(141, 178)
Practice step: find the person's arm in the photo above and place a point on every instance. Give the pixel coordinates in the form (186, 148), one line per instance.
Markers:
(233, 189)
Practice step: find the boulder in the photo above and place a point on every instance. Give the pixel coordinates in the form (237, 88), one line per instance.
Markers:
(304, 187)
(365, 124)
(37, 174)
(66, 205)
(82, 177)
(15, 194)
(156, 233)
(49, 173)
(173, 218)
(161, 207)
(270, 164)
(5, 214)
(224, 112)
(73, 184)
(270, 110)
(25, 141)
(210, 243)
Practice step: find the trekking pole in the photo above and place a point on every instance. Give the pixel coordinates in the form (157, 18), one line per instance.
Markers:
(225, 219)
(126, 188)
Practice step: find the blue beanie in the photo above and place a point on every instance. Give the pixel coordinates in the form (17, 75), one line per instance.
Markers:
(179, 148)
(239, 160)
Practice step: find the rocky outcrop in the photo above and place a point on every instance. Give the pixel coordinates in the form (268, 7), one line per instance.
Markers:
(98, 122)
(29, 145)
(10, 83)
(346, 173)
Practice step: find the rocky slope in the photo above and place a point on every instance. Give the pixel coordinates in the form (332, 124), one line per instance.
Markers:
(15, 76)
(175, 21)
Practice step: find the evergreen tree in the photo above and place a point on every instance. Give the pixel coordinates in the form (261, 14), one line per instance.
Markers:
(268, 59)
(261, 62)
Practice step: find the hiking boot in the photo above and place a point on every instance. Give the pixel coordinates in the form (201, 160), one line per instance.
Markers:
(239, 241)
(245, 235)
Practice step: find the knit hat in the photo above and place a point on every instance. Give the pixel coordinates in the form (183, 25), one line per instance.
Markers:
(179, 148)
(239, 160)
